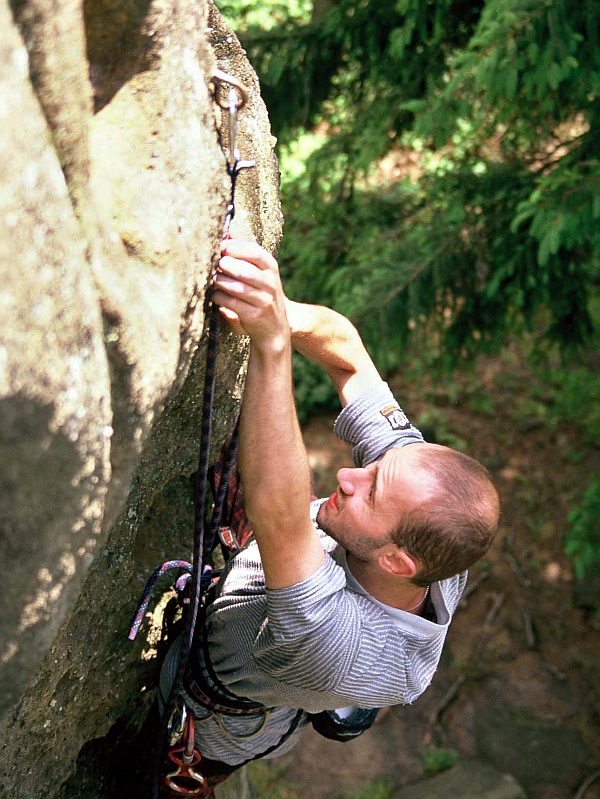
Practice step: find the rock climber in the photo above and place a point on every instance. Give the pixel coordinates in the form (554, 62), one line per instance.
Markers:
(338, 606)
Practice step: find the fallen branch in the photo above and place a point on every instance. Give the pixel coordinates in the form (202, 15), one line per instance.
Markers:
(531, 635)
(494, 610)
(473, 585)
(586, 784)
(518, 572)
(554, 671)
(446, 699)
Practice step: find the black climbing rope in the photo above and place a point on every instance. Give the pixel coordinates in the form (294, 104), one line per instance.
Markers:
(173, 716)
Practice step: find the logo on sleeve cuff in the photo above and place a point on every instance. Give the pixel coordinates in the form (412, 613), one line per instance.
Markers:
(396, 417)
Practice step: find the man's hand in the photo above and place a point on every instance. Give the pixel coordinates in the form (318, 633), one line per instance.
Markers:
(250, 295)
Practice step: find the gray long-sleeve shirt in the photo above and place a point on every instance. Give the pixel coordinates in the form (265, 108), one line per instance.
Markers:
(323, 643)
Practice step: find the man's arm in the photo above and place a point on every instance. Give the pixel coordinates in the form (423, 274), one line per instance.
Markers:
(272, 458)
(331, 341)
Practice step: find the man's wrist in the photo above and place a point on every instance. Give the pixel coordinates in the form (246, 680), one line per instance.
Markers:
(272, 346)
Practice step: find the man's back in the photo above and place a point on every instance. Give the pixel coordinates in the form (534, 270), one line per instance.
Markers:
(318, 645)
(321, 644)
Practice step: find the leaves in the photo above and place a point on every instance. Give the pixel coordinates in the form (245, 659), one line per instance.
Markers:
(450, 181)
(441, 185)
(582, 542)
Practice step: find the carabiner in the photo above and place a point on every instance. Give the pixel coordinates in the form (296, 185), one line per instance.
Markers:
(234, 153)
(185, 779)
(223, 78)
(237, 98)
(177, 723)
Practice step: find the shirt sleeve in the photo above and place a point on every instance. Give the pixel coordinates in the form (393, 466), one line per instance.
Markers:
(312, 634)
(373, 423)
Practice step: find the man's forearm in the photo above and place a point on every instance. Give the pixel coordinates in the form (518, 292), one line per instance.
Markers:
(272, 456)
(272, 459)
(275, 472)
(331, 341)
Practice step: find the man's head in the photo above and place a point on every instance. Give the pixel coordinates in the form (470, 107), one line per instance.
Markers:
(422, 511)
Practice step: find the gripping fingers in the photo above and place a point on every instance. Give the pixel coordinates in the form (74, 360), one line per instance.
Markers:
(240, 310)
(232, 319)
(249, 251)
(251, 294)
(247, 272)
(235, 305)
(247, 285)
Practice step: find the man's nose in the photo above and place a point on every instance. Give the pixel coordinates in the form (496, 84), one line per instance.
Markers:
(344, 478)
(349, 479)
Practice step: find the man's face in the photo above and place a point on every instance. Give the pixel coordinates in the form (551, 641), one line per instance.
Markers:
(369, 502)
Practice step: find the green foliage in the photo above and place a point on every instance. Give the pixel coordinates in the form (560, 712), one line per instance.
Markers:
(483, 404)
(582, 542)
(312, 393)
(266, 779)
(441, 183)
(576, 400)
(436, 760)
(523, 62)
(378, 789)
(434, 426)
(496, 105)
(266, 14)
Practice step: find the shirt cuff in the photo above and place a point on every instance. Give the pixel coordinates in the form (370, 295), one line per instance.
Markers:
(292, 608)
(373, 423)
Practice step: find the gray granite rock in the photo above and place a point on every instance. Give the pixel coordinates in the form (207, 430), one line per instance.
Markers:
(114, 190)
(470, 779)
(535, 750)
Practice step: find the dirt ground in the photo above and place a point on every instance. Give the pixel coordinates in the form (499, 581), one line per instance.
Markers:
(518, 682)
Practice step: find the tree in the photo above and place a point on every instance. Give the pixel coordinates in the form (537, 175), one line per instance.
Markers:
(441, 177)
(453, 180)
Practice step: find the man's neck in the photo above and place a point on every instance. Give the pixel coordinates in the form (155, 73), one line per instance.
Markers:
(397, 592)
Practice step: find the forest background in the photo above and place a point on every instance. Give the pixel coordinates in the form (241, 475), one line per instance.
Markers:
(440, 181)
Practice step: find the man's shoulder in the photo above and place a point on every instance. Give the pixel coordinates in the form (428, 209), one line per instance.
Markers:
(374, 423)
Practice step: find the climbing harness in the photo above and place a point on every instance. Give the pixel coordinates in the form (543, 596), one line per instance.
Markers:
(177, 724)
(203, 685)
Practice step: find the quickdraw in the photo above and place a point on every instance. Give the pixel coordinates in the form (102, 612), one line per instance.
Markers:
(236, 99)
(185, 779)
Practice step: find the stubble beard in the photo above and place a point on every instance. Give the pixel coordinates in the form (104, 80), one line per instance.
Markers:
(359, 546)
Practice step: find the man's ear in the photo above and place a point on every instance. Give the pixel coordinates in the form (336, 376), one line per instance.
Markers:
(397, 561)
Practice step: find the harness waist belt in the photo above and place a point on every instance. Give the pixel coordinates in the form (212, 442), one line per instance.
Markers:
(203, 685)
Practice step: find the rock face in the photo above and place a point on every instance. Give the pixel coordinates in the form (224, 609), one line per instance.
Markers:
(468, 780)
(114, 189)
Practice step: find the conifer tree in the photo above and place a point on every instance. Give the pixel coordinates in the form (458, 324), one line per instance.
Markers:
(455, 185)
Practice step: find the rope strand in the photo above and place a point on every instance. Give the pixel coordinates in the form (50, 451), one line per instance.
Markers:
(204, 544)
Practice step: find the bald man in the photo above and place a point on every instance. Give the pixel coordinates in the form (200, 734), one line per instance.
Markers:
(339, 603)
